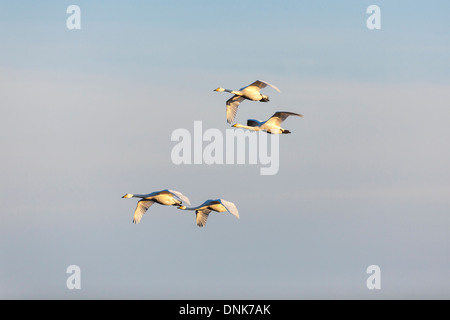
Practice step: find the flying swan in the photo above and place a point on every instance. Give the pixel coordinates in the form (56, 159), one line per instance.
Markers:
(202, 211)
(165, 197)
(250, 92)
(272, 125)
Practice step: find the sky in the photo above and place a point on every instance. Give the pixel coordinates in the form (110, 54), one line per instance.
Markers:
(87, 116)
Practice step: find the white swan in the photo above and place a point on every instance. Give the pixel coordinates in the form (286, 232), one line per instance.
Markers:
(272, 125)
(250, 92)
(165, 197)
(219, 205)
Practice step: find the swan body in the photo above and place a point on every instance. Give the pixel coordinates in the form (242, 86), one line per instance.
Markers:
(219, 205)
(250, 92)
(165, 197)
(272, 125)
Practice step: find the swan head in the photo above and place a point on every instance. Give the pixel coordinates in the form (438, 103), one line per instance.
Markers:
(128, 195)
(182, 207)
(219, 89)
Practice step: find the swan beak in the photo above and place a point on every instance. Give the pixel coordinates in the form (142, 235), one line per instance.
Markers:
(216, 89)
(182, 207)
(127, 195)
(234, 125)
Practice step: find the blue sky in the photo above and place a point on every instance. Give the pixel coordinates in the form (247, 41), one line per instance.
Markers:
(296, 37)
(88, 114)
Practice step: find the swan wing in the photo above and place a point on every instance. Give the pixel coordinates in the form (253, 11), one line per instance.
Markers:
(232, 106)
(253, 123)
(180, 196)
(202, 216)
(231, 207)
(260, 84)
(141, 208)
(279, 117)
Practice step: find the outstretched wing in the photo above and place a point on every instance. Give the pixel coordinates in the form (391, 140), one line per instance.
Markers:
(260, 84)
(231, 207)
(180, 196)
(232, 106)
(202, 215)
(141, 208)
(279, 117)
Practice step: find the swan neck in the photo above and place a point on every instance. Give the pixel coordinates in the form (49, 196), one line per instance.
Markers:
(237, 125)
(139, 195)
(189, 208)
(233, 92)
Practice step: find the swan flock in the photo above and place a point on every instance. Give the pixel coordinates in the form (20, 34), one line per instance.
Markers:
(168, 197)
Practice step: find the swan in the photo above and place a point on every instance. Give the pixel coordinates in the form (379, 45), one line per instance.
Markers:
(165, 197)
(250, 92)
(272, 125)
(219, 205)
